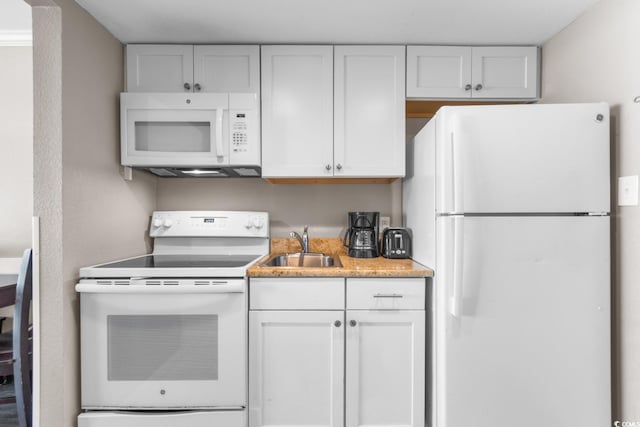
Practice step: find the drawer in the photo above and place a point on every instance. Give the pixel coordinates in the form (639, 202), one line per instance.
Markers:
(386, 294)
(326, 293)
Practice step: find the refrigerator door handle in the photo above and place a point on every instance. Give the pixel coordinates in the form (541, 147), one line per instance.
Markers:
(455, 303)
(457, 176)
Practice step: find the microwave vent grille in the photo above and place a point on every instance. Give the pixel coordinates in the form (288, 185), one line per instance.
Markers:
(162, 172)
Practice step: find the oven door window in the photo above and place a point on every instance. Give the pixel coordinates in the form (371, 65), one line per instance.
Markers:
(162, 347)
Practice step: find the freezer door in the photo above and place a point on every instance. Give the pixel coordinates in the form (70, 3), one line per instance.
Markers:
(544, 158)
(522, 322)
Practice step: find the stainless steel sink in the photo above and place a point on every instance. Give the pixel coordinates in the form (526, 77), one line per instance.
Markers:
(309, 260)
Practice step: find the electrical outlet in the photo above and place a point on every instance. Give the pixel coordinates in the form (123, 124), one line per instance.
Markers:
(628, 190)
(385, 222)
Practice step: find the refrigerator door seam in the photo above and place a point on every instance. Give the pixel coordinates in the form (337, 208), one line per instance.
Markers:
(521, 214)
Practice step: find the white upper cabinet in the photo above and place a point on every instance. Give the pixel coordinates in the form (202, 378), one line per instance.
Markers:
(297, 111)
(438, 71)
(455, 72)
(187, 68)
(505, 72)
(369, 111)
(234, 68)
(159, 68)
(333, 111)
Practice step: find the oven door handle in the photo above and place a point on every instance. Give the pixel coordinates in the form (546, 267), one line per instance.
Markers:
(92, 288)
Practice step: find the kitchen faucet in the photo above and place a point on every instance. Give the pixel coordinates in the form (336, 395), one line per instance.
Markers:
(303, 240)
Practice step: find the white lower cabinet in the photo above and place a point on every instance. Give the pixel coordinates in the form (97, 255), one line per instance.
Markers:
(296, 360)
(385, 368)
(350, 358)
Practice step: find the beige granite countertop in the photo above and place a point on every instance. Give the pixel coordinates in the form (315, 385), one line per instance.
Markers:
(351, 267)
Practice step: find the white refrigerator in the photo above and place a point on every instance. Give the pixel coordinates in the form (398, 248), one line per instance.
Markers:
(510, 206)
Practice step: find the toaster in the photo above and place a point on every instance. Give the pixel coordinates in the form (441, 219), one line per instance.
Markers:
(396, 242)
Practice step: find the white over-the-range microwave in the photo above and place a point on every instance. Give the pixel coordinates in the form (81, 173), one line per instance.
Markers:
(194, 134)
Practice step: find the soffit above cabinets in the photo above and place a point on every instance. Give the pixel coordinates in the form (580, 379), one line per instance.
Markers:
(469, 22)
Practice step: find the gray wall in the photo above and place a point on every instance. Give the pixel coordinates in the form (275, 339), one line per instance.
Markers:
(88, 213)
(323, 207)
(597, 58)
(16, 150)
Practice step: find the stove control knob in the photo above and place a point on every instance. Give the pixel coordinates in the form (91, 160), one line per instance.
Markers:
(157, 222)
(258, 222)
(167, 223)
(249, 224)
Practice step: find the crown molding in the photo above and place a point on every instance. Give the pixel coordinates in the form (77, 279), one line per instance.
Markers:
(16, 38)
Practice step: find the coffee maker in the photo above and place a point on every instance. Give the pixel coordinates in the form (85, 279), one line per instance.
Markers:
(362, 234)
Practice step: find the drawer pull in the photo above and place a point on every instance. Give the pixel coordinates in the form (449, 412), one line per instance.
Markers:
(387, 296)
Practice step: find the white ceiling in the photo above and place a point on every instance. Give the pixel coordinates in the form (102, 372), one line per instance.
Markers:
(472, 22)
(15, 15)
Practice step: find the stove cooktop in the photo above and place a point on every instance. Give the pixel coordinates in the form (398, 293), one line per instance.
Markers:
(182, 261)
(173, 265)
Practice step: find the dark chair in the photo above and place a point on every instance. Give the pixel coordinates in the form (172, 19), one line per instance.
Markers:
(16, 348)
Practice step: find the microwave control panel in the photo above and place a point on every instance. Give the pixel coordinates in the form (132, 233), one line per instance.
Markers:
(244, 130)
(239, 138)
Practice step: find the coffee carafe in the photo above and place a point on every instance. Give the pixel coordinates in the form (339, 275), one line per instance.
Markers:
(362, 234)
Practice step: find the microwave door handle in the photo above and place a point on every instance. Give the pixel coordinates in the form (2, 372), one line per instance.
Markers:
(219, 116)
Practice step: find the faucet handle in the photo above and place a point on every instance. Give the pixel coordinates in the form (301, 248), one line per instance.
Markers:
(306, 228)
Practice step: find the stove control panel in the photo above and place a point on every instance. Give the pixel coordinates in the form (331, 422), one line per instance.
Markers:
(209, 224)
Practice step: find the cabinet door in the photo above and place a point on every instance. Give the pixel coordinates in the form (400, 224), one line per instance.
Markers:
(369, 134)
(233, 68)
(159, 68)
(505, 72)
(385, 354)
(296, 368)
(297, 111)
(438, 72)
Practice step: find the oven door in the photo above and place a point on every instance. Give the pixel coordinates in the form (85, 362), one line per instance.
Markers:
(163, 346)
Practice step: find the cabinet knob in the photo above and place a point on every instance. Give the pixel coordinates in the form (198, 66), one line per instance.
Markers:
(328, 167)
(353, 322)
(467, 86)
(339, 166)
(197, 87)
(337, 323)
(478, 86)
(187, 86)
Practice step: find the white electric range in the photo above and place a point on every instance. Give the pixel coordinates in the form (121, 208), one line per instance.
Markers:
(164, 335)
